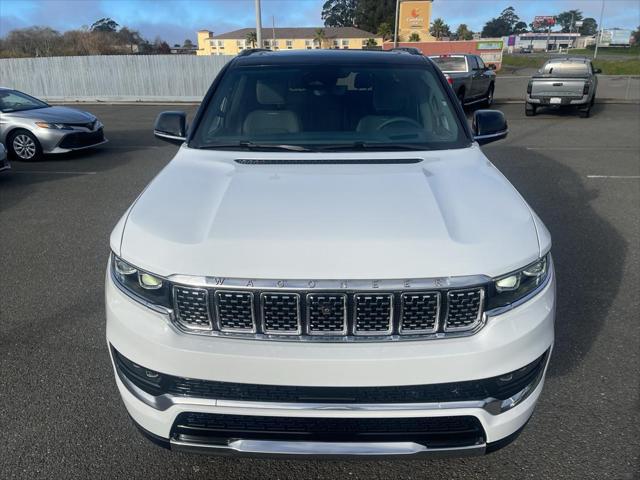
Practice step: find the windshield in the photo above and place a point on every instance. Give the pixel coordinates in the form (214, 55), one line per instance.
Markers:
(566, 69)
(450, 64)
(330, 106)
(14, 101)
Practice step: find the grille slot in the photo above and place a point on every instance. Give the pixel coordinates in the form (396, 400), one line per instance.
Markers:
(234, 311)
(327, 314)
(281, 313)
(464, 309)
(419, 312)
(192, 307)
(373, 314)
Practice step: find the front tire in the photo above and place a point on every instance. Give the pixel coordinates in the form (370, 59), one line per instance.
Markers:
(489, 99)
(24, 146)
(530, 109)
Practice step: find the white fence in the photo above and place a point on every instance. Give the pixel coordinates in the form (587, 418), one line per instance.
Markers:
(113, 77)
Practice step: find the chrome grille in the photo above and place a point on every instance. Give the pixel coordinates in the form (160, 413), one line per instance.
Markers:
(327, 314)
(373, 314)
(420, 312)
(464, 309)
(281, 313)
(234, 311)
(192, 307)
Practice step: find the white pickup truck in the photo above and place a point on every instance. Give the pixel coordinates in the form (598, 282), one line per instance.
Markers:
(563, 82)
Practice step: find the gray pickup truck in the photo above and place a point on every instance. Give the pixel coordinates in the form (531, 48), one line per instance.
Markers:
(563, 82)
(470, 78)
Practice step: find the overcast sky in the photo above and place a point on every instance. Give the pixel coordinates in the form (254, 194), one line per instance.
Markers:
(176, 20)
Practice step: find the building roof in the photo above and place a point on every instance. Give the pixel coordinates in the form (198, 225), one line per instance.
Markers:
(298, 32)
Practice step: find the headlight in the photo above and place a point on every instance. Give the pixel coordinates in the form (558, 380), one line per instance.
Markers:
(517, 285)
(142, 285)
(53, 126)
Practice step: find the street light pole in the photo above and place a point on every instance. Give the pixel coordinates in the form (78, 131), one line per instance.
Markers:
(395, 30)
(599, 37)
(258, 24)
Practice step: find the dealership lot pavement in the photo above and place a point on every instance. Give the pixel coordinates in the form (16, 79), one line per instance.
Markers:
(60, 413)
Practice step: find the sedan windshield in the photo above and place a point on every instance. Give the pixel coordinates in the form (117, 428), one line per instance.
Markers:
(14, 101)
(330, 107)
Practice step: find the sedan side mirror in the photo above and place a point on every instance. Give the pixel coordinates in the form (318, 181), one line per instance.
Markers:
(489, 126)
(171, 127)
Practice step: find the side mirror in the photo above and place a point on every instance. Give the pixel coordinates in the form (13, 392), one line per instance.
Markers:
(171, 127)
(489, 126)
(597, 70)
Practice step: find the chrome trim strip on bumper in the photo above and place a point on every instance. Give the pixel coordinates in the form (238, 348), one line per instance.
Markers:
(302, 449)
(493, 406)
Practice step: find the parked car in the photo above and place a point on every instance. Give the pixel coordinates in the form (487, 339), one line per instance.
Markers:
(563, 82)
(472, 80)
(4, 161)
(526, 50)
(314, 274)
(30, 127)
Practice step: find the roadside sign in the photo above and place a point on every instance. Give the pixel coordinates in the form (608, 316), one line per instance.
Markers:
(544, 21)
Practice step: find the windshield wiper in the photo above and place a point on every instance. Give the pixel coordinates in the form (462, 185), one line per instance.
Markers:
(257, 146)
(373, 146)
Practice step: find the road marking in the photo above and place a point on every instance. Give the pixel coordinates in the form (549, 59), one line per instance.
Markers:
(585, 148)
(633, 177)
(47, 172)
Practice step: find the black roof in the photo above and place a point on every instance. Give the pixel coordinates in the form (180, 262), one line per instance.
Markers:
(263, 57)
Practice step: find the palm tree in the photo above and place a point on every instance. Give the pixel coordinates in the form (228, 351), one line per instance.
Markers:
(252, 38)
(385, 31)
(371, 42)
(439, 28)
(414, 37)
(319, 37)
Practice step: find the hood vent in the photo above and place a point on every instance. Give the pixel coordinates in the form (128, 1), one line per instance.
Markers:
(329, 161)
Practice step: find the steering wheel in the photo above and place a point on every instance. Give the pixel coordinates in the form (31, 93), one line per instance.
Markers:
(399, 120)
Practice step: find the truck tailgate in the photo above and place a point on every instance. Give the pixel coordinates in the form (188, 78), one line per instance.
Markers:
(557, 87)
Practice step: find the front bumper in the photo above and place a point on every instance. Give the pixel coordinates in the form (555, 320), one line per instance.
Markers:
(507, 343)
(63, 141)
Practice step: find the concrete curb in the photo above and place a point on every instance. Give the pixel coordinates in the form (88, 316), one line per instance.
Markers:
(612, 101)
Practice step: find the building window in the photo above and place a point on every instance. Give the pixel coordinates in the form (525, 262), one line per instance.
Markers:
(345, 43)
(266, 43)
(220, 43)
(336, 43)
(212, 43)
(364, 43)
(241, 44)
(307, 44)
(289, 44)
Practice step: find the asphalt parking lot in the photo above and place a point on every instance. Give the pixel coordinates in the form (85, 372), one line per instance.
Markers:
(60, 412)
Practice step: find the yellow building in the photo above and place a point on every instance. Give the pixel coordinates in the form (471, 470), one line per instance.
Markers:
(415, 17)
(232, 43)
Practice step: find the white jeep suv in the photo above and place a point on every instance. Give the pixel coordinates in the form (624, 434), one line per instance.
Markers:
(330, 266)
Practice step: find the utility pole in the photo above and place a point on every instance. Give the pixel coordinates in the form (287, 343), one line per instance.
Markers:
(599, 37)
(395, 30)
(258, 24)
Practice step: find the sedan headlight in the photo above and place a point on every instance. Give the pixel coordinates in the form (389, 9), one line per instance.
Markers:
(53, 126)
(513, 287)
(141, 285)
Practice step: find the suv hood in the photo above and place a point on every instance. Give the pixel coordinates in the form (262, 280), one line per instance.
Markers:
(451, 214)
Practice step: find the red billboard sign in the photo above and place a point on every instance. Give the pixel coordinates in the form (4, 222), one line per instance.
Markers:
(544, 21)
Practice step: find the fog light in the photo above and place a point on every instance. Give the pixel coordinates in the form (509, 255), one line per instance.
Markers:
(148, 281)
(508, 283)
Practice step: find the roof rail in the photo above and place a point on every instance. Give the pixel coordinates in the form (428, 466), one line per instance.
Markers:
(251, 51)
